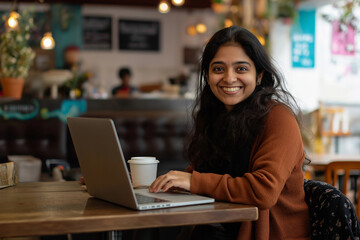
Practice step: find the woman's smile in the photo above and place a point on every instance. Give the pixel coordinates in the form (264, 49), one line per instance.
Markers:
(231, 90)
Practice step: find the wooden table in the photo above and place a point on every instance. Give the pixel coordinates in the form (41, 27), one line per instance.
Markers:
(56, 208)
(326, 158)
(320, 161)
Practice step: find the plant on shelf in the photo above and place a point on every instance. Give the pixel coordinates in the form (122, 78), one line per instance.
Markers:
(16, 56)
(73, 87)
(285, 10)
(346, 14)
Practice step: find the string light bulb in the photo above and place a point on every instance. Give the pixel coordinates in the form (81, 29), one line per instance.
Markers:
(178, 2)
(164, 7)
(261, 39)
(13, 19)
(228, 22)
(191, 30)
(201, 28)
(47, 42)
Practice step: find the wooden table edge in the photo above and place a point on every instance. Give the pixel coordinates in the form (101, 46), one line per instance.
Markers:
(91, 224)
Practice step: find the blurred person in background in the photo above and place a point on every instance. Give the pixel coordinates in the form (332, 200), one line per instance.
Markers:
(124, 89)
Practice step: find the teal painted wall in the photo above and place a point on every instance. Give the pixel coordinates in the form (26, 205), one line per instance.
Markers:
(66, 26)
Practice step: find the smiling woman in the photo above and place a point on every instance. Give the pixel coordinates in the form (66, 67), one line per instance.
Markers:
(246, 146)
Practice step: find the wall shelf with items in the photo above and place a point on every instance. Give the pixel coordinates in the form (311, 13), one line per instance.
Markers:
(328, 124)
(334, 121)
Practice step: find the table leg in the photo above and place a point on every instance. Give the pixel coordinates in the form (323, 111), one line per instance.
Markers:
(113, 235)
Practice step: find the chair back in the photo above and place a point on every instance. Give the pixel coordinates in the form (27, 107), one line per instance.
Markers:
(332, 215)
(336, 168)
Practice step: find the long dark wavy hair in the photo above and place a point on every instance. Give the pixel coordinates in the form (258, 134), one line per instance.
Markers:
(221, 140)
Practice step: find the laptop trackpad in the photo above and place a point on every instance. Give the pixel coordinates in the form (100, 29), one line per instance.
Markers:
(174, 196)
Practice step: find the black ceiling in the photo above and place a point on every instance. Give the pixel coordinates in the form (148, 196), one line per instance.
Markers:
(135, 3)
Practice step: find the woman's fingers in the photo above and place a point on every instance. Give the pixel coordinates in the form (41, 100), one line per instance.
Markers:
(172, 179)
(158, 184)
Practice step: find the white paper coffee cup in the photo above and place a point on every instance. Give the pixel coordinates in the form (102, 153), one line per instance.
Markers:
(143, 171)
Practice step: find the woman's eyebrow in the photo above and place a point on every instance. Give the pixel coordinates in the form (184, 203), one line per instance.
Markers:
(235, 63)
(242, 62)
(218, 62)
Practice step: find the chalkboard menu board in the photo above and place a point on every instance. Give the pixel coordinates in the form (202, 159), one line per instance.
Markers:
(139, 35)
(97, 33)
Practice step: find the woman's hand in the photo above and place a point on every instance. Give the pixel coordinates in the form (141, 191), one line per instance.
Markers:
(171, 180)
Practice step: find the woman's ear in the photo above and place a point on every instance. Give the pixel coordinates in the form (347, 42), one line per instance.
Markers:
(259, 78)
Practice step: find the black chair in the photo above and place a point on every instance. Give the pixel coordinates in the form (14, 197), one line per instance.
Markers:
(332, 215)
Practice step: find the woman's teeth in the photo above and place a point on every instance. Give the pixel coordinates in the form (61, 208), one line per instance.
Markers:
(231, 89)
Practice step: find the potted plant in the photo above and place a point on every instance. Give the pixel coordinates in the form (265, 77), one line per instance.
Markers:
(16, 56)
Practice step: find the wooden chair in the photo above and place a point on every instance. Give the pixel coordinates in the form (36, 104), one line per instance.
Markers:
(334, 169)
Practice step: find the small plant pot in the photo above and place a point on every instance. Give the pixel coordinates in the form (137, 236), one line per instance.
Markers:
(12, 87)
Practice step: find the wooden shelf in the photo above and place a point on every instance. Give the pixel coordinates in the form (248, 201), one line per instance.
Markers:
(335, 134)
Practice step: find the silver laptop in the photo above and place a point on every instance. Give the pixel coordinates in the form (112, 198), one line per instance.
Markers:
(105, 171)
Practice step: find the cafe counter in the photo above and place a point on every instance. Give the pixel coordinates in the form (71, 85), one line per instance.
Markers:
(146, 127)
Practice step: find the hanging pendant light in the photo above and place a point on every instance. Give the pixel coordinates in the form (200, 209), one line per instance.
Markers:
(47, 42)
(164, 7)
(178, 3)
(12, 21)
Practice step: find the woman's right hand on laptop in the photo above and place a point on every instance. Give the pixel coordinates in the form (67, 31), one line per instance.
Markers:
(171, 180)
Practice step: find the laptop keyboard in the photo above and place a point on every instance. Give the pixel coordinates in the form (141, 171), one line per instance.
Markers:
(146, 199)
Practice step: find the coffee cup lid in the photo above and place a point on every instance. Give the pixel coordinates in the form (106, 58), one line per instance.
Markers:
(143, 157)
(143, 160)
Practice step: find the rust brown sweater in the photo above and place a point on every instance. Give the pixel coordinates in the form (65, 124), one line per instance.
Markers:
(274, 182)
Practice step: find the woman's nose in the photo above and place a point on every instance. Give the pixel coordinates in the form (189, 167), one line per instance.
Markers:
(230, 77)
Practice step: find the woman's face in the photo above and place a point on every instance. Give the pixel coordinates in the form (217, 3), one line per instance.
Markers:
(232, 75)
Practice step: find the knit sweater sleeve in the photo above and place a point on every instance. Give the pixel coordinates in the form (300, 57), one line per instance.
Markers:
(272, 161)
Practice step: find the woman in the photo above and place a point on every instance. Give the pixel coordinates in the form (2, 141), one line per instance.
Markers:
(246, 146)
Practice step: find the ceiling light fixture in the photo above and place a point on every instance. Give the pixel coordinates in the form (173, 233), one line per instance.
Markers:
(47, 42)
(164, 7)
(178, 2)
(12, 21)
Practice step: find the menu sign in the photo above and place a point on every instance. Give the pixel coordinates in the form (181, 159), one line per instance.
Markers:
(139, 35)
(97, 33)
(303, 40)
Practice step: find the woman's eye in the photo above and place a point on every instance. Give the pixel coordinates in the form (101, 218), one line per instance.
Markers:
(241, 69)
(217, 69)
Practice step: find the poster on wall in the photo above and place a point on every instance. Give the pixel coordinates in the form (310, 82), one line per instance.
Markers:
(303, 40)
(97, 33)
(342, 40)
(139, 35)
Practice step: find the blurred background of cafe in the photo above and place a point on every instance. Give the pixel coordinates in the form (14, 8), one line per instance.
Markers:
(314, 42)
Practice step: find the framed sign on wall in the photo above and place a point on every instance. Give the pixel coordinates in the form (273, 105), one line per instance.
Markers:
(97, 33)
(303, 40)
(139, 35)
